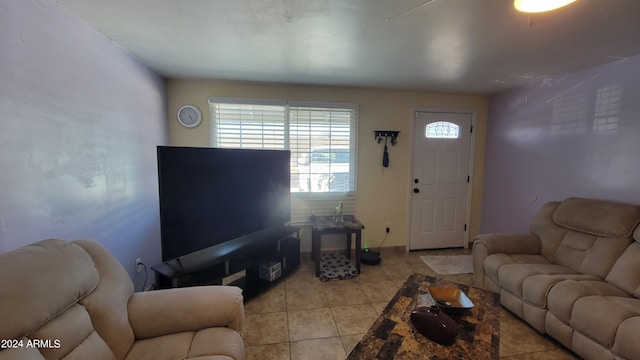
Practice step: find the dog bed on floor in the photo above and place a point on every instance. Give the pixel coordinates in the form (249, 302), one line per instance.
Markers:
(336, 267)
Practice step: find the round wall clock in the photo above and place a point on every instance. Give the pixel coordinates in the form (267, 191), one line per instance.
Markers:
(189, 116)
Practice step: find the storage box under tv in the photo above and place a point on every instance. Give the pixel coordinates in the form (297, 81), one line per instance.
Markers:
(270, 271)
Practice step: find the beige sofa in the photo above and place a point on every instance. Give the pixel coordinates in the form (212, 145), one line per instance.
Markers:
(73, 300)
(575, 277)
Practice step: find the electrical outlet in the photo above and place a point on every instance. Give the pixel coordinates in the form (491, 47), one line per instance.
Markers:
(138, 265)
(387, 227)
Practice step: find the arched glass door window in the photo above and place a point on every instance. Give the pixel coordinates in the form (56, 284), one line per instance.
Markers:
(442, 130)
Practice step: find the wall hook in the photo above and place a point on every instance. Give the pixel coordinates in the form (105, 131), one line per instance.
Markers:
(379, 135)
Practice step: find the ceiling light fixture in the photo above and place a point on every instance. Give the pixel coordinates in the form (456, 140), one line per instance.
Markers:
(536, 6)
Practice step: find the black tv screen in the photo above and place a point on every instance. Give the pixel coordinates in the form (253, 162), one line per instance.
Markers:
(209, 195)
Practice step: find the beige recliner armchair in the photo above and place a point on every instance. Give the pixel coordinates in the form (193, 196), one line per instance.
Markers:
(73, 300)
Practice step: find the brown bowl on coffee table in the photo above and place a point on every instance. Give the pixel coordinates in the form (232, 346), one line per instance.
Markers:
(435, 325)
(451, 300)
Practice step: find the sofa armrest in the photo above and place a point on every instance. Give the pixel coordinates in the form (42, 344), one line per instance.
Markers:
(509, 243)
(487, 244)
(162, 312)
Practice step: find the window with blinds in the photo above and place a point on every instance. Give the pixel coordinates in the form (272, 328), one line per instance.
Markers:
(320, 141)
(321, 137)
(254, 126)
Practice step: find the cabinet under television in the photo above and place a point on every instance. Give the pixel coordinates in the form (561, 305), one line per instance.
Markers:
(236, 262)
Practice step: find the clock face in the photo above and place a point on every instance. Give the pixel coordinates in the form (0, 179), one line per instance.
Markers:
(189, 116)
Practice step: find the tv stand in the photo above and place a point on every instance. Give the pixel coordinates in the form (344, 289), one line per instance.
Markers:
(235, 262)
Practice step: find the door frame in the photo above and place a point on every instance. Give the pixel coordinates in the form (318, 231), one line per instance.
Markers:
(472, 151)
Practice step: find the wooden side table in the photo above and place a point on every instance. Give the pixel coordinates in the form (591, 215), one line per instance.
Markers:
(323, 225)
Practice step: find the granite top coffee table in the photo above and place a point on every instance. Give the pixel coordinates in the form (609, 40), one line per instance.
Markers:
(392, 336)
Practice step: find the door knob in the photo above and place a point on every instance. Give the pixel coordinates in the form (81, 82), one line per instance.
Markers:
(416, 190)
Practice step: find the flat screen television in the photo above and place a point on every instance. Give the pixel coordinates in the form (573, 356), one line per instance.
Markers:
(209, 196)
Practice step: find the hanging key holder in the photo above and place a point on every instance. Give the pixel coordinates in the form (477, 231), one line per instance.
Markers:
(379, 135)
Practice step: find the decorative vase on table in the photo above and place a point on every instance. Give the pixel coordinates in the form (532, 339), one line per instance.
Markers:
(338, 213)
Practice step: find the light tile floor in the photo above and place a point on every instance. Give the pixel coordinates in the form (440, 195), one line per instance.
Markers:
(302, 318)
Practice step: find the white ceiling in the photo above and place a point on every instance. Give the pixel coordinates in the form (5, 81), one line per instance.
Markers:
(462, 46)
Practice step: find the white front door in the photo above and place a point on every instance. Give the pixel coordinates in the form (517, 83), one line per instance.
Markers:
(440, 179)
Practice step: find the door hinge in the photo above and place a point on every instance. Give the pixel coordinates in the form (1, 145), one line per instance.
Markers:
(465, 227)
(472, 129)
(468, 178)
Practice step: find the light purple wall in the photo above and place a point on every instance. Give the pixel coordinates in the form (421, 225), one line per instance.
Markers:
(79, 123)
(574, 135)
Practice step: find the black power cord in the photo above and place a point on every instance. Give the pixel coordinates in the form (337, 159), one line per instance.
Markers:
(386, 230)
(373, 257)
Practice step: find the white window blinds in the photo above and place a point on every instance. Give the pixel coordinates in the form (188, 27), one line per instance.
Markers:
(321, 142)
(255, 125)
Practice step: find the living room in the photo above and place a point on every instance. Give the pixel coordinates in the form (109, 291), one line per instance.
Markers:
(83, 119)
